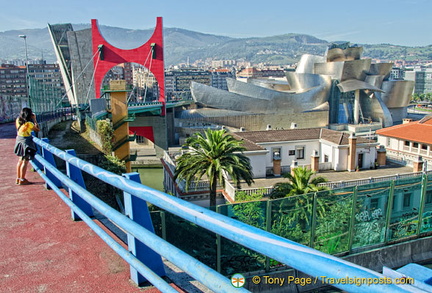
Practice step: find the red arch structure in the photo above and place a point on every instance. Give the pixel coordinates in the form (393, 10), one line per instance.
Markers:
(150, 55)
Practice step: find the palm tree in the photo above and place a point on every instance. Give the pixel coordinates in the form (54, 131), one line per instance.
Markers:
(300, 182)
(212, 154)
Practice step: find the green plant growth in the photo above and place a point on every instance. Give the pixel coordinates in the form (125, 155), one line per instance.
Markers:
(113, 164)
(191, 238)
(211, 155)
(427, 97)
(102, 190)
(331, 234)
(300, 182)
(292, 217)
(406, 227)
(298, 209)
(251, 210)
(106, 132)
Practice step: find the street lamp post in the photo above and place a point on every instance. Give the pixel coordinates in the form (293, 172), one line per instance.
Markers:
(27, 70)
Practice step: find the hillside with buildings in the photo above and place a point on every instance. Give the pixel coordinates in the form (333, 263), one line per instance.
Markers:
(190, 47)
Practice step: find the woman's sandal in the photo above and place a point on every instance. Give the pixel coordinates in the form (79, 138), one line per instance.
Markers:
(24, 182)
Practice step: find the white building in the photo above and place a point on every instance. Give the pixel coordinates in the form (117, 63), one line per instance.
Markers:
(409, 142)
(301, 147)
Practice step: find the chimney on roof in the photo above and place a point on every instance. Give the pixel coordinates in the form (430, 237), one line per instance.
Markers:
(315, 161)
(242, 129)
(293, 125)
(268, 127)
(352, 152)
(418, 164)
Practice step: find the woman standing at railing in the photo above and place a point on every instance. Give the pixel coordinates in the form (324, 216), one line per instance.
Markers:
(25, 148)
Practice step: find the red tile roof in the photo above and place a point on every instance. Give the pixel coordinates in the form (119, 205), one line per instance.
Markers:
(418, 131)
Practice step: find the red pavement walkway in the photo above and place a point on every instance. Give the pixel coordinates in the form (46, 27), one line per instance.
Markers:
(41, 248)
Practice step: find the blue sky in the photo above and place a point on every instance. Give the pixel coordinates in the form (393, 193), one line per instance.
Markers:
(399, 22)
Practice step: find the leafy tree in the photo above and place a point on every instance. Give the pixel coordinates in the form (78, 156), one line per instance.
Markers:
(213, 154)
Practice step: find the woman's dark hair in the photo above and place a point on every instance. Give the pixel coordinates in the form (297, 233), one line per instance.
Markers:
(25, 116)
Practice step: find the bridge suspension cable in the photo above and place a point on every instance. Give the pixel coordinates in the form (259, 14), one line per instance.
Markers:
(145, 85)
(77, 78)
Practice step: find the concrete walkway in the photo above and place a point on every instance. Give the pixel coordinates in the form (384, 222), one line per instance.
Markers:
(41, 248)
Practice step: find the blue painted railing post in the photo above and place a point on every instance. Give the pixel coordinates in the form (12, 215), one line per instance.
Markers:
(47, 155)
(38, 151)
(75, 174)
(136, 209)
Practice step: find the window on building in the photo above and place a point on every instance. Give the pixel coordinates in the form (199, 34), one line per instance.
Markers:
(300, 152)
(326, 158)
(424, 146)
(415, 145)
(291, 153)
(428, 197)
(374, 203)
(407, 200)
(407, 143)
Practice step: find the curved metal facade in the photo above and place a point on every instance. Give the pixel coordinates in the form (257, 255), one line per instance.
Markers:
(348, 87)
(338, 54)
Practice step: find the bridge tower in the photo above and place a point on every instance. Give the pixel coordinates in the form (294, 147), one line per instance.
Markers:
(150, 55)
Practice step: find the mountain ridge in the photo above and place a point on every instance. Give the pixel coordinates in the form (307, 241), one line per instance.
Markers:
(181, 45)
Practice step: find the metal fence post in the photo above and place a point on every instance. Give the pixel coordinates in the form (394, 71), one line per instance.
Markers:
(163, 225)
(268, 229)
(313, 222)
(218, 248)
(352, 220)
(422, 202)
(47, 155)
(137, 210)
(389, 210)
(75, 174)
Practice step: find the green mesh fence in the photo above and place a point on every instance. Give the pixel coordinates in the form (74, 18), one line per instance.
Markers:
(44, 97)
(370, 211)
(234, 257)
(158, 220)
(332, 221)
(191, 238)
(405, 209)
(426, 223)
(291, 217)
(333, 213)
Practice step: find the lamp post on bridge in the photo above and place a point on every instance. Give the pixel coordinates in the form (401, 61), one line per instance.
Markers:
(27, 69)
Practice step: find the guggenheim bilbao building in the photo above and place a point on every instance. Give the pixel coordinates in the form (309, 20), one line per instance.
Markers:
(335, 90)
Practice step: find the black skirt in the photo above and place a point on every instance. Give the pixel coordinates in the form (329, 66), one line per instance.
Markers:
(25, 147)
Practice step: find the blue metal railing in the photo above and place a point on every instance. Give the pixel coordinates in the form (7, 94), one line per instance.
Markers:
(300, 257)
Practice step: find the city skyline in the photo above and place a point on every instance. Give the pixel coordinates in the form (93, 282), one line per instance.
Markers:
(398, 22)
